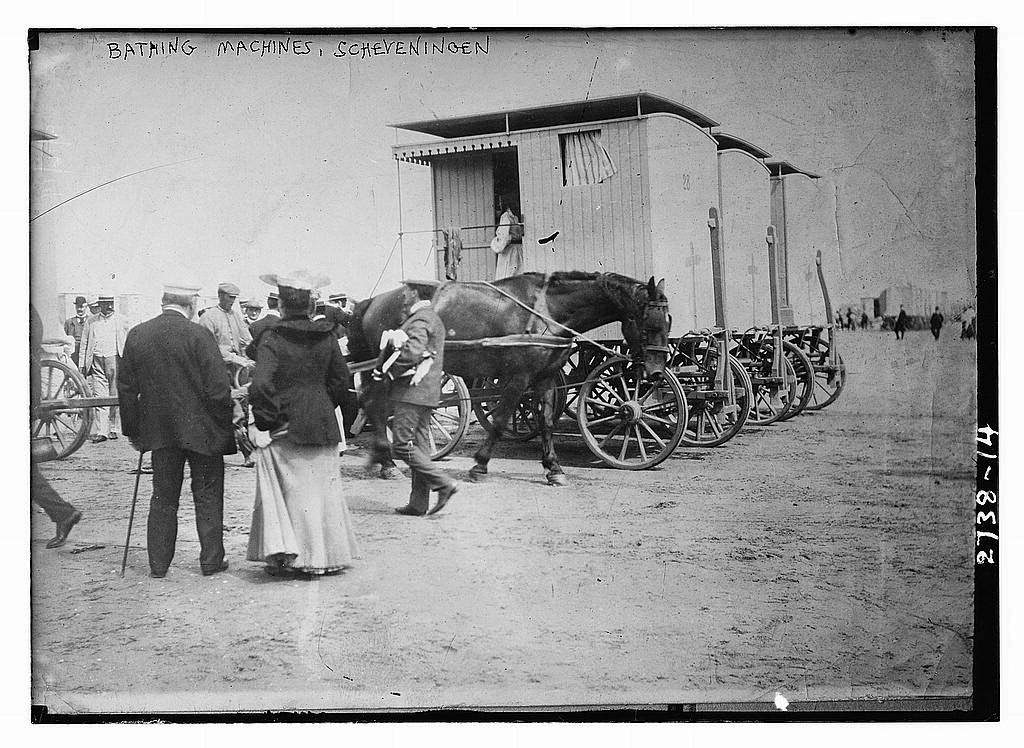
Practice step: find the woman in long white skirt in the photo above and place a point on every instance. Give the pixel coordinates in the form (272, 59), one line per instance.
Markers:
(300, 521)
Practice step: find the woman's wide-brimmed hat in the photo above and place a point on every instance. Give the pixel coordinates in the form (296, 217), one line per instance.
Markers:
(302, 280)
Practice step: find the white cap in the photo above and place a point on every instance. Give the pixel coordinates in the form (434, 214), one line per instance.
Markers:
(302, 280)
(181, 289)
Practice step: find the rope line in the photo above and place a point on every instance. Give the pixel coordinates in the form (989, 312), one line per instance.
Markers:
(576, 335)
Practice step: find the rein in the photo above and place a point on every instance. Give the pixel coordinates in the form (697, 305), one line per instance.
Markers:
(576, 335)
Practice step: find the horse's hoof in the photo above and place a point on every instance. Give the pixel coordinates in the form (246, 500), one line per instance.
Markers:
(391, 473)
(476, 476)
(557, 479)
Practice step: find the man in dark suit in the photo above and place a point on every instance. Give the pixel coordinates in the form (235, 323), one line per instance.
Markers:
(175, 401)
(414, 393)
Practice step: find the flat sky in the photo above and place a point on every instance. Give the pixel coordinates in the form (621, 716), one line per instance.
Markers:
(283, 160)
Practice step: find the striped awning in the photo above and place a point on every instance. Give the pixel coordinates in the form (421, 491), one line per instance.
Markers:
(423, 153)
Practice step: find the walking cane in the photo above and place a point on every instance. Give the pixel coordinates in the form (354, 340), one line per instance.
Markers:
(131, 515)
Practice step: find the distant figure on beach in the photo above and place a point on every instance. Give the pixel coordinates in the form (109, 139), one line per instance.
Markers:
(901, 324)
(849, 319)
(967, 317)
(863, 320)
(936, 323)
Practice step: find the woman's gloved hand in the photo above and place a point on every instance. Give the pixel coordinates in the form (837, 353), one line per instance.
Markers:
(259, 439)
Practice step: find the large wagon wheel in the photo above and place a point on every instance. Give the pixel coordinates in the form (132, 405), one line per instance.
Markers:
(524, 423)
(581, 362)
(828, 379)
(711, 422)
(804, 378)
(771, 399)
(67, 428)
(629, 419)
(450, 419)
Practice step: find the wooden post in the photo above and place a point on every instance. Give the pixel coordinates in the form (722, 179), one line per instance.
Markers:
(692, 262)
(717, 267)
(833, 353)
(752, 271)
(773, 272)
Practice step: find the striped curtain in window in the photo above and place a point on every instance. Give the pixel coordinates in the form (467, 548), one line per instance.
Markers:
(584, 159)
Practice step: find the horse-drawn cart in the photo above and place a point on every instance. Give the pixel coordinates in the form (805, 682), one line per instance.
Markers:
(63, 417)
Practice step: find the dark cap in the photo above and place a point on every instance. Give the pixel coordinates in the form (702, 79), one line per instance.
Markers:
(79, 301)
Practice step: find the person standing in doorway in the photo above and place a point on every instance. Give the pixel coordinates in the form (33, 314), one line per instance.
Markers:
(901, 324)
(176, 403)
(103, 338)
(936, 322)
(508, 244)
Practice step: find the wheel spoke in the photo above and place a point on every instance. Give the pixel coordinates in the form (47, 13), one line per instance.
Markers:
(640, 443)
(65, 424)
(604, 385)
(601, 404)
(661, 442)
(647, 416)
(625, 445)
(716, 428)
(612, 433)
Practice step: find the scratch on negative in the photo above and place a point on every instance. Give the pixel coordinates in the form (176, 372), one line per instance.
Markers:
(318, 638)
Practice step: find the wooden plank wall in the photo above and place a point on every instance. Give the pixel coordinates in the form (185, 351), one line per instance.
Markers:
(745, 213)
(683, 166)
(602, 227)
(464, 196)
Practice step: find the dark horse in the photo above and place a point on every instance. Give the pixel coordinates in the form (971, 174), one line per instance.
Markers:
(474, 311)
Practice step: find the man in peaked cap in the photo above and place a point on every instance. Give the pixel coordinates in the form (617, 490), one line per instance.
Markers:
(74, 326)
(271, 318)
(102, 346)
(252, 309)
(176, 403)
(228, 327)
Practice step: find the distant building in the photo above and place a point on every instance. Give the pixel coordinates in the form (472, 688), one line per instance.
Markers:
(915, 300)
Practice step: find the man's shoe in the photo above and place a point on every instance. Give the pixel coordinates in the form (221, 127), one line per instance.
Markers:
(409, 511)
(443, 496)
(391, 472)
(216, 570)
(63, 528)
(112, 435)
(97, 438)
(249, 463)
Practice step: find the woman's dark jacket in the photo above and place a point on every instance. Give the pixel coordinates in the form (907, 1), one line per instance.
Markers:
(300, 377)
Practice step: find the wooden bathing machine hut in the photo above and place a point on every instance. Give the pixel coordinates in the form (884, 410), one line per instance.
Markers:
(793, 209)
(745, 295)
(626, 181)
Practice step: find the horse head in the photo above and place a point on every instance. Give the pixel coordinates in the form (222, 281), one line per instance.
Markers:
(646, 330)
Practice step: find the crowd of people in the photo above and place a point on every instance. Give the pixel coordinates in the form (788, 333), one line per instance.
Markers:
(179, 382)
(902, 322)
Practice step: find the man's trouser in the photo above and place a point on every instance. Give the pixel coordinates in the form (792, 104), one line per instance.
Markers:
(410, 429)
(43, 494)
(104, 384)
(207, 478)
